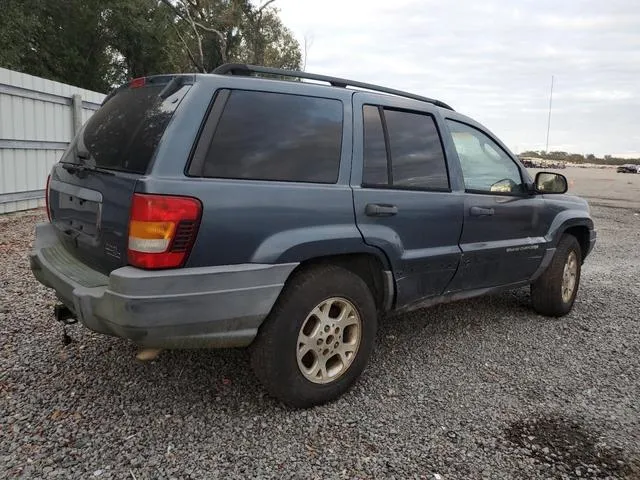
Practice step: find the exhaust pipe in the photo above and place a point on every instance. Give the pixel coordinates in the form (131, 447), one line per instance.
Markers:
(148, 354)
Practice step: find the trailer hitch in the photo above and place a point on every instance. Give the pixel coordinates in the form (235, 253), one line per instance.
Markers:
(65, 316)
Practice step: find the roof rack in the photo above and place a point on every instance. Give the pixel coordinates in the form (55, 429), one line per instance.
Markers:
(246, 70)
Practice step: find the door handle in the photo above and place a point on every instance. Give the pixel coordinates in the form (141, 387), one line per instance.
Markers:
(481, 211)
(380, 210)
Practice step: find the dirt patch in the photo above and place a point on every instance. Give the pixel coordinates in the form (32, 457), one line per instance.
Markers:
(566, 449)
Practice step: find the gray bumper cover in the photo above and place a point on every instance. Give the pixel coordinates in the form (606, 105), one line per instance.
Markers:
(212, 307)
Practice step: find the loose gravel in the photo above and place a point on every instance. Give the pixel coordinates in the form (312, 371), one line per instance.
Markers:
(483, 388)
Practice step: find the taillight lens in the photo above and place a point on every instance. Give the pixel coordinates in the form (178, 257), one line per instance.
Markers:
(137, 82)
(46, 197)
(162, 230)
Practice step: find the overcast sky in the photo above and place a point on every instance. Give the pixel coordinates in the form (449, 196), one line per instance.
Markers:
(493, 60)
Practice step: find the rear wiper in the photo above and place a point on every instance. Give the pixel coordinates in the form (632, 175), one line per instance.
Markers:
(74, 168)
(172, 87)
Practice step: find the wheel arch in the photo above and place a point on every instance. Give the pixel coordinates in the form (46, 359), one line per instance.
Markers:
(371, 267)
(581, 233)
(576, 223)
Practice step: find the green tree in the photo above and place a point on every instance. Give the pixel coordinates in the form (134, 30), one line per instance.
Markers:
(530, 153)
(17, 25)
(142, 39)
(57, 40)
(268, 42)
(557, 155)
(213, 32)
(96, 44)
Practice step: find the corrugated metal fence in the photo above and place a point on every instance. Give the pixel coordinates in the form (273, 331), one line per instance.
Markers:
(38, 119)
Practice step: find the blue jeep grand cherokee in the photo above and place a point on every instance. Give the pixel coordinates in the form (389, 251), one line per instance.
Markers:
(232, 210)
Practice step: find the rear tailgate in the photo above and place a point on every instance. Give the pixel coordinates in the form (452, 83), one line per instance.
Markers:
(91, 189)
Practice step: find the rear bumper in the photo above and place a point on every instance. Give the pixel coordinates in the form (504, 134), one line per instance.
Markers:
(211, 307)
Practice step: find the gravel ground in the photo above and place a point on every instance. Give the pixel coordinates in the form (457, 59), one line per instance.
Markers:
(478, 389)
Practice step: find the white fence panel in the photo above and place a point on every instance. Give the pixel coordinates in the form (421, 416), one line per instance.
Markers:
(36, 124)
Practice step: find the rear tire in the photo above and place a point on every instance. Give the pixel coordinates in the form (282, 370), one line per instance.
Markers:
(554, 293)
(317, 339)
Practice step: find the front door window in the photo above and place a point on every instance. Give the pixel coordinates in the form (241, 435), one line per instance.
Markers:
(485, 166)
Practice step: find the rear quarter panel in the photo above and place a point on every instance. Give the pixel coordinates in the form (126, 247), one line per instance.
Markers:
(257, 221)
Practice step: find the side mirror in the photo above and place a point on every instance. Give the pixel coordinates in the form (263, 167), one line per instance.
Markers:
(505, 185)
(548, 182)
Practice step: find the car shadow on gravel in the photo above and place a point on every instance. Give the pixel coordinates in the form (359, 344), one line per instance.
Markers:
(223, 380)
(224, 370)
(512, 306)
(564, 448)
(216, 377)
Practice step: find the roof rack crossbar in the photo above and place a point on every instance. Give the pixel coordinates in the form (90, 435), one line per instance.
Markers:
(244, 69)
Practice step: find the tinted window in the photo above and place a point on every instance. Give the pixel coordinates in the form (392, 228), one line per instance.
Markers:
(485, 166)
(273, 136)
(124, 133)
(375, 150)
(415, 151)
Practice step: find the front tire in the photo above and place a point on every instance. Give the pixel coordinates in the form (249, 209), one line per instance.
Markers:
(317, 339)
(554, 293)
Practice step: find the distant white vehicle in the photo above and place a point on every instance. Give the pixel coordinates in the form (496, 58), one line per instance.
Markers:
(628, 168)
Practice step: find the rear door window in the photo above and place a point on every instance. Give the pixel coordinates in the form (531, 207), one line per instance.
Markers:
(124, 133)
(403, 150)
(376, 167)
(274, 136)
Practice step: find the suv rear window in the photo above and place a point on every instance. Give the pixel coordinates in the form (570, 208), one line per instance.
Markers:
(274, 136)
(124, 133)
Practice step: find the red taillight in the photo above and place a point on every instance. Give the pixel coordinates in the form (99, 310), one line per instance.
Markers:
(46, 197)
(162, 230)
(137, 82)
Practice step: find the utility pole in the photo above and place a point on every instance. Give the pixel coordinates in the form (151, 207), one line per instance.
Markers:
(549, 120)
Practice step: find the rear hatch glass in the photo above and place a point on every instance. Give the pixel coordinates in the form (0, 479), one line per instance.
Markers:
(124, 133)
(91, 189)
